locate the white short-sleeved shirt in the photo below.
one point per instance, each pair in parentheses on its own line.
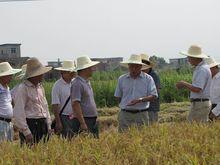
(129,89)
(201,79)
(215,93)
(60,93)
(6,109)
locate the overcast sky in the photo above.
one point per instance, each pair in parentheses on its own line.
(67,29)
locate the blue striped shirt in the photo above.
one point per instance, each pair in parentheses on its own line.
(129,89)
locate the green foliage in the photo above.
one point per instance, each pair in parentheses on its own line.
(104,84)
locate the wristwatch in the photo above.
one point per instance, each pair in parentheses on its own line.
(141,99)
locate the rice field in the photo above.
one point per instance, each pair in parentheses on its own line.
(170,143)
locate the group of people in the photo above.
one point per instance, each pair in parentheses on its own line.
(73,101)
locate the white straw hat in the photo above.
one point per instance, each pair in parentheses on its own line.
(35,68)
(146,57)
(195,51)
(85,62)
(134,59)
(23,70)
(6,69)
(211,62)
(67,65)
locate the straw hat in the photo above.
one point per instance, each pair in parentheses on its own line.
(134,59)
(67,65)
(23,70)
(6,69)
(146,58)
(195,51)
(35,68)
(85,62)
(211,62)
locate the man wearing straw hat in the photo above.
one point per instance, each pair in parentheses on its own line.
(31,112)
(134,91)
(83,103)
(6,110)
(61,99)
(154,105)
(200,87)
(214,89)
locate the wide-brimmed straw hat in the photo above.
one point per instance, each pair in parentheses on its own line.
(211,62)
(23,70)
(67,65)
(135,59)
(85,62)
(146,58)
(6,69)
(195,51)
(35,68)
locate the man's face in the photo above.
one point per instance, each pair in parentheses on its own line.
(214,70)
(90,70)
(68,75)
(193,61)
(6,79)
(134,69)
(38,79)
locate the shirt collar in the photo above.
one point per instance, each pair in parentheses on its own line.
(63,81)
(3,88)
(141,75)
(82,79)
(29,84)
(201,63)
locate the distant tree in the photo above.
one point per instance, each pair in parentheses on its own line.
(159,61)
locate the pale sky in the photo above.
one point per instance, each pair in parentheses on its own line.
(67,29)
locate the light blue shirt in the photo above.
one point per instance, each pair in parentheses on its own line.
(201,79)
(6,109)
(129,89)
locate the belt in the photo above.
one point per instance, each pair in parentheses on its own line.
(198,100)
(134,111)
(5,119)
(36,119)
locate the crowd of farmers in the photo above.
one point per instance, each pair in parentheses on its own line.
(25,106)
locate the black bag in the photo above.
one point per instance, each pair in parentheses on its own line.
(53,125)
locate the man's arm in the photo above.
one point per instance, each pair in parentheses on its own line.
(20,115)
(149,98)
(79,115)
(56,110)
(118,99)
(184,84)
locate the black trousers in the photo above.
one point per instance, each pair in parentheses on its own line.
(38,128)
(91,124)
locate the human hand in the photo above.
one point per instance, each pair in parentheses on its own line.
(180,84)
(29,138)
(58,127)
(133,102)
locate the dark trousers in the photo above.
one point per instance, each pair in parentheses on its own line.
(91,124)
(38,128)
(68,126)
